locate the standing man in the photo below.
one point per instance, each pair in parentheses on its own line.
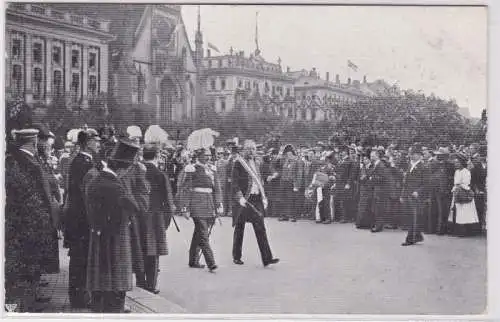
(76,233)
(157,219)
(109,272)
(291,177)
(413,195)
(249,204)
(324,195)
(200,192)
(380,181)
(344,185)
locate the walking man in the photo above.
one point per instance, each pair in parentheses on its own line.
(199,193)
(249,204)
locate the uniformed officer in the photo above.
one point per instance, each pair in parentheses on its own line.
(76,226)
(200,198)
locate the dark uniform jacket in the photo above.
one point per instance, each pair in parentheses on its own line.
(109,265)
(380,178)
(200,204)
(345,175)
(75,220)
(156,220)
(415,181)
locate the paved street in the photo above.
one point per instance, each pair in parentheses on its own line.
(329,269)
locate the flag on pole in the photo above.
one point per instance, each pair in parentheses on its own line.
(352,65)
(212,46)
(257,50)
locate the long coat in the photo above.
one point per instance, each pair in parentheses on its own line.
(156,220)
(200,204)
(28,224)
(134,181)
(109,265)
(76,226)
(345,176)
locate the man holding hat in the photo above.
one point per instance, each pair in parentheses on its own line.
(201,199)
(27,221)
(76,226)
(109,270)
(414,194)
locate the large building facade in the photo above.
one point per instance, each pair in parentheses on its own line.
(51,54)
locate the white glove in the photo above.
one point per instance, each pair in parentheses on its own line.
(295,189)
(265,203)
(243,202)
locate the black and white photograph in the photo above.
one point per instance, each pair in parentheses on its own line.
(245,159)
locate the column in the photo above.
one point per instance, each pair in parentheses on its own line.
(48,71)
(28,92)
(103,69)
(67,73)
(85,76)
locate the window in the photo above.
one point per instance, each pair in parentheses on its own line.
(247,85)
(213,86)
(141,86)
(17,79)
(57,88)
(287,92)
(240,83)
(290,112)
(223,83)
(56,55)
(273,90)
(266,87)
(16,49)
(37,83)
(304,114)
(223,104)
(220,62)
(255,85)
(92,60)
(75,62)
(92,89)
(37,53)
(75,86)
(210,63)
(313,114)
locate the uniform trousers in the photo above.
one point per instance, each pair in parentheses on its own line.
(78,274)
(201,240)
(326,206)
(108,301)
(288,201)
(441,203)
(248,214)
(415,207)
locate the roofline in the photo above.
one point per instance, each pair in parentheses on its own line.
(240,72)
(106,35)
(339,89)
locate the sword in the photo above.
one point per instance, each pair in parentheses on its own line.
(175,223)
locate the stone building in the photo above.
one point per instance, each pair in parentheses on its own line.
(52,53)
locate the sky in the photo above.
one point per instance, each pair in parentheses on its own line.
(440,50)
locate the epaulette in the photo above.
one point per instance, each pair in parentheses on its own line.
(189,168)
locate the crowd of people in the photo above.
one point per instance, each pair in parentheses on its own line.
(111,199)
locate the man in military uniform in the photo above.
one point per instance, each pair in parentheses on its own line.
(157,219)
(76,233)
(200,198)
(27,221)
(250,203)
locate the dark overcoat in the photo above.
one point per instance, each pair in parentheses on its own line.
(28,224)
(134,181)
(156,220)
(76,227)
(345,175)
(109,265)
(415,181)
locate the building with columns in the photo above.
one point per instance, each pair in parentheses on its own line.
(151,61)
(52,53)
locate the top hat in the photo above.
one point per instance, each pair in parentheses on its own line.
(125,151)
(288,148)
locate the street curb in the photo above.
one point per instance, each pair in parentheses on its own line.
(142,301)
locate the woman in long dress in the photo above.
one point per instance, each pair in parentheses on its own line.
(464,221)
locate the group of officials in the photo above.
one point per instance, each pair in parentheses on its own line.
(113,201)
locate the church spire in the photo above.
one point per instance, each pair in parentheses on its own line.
(199,20)
(199,40)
